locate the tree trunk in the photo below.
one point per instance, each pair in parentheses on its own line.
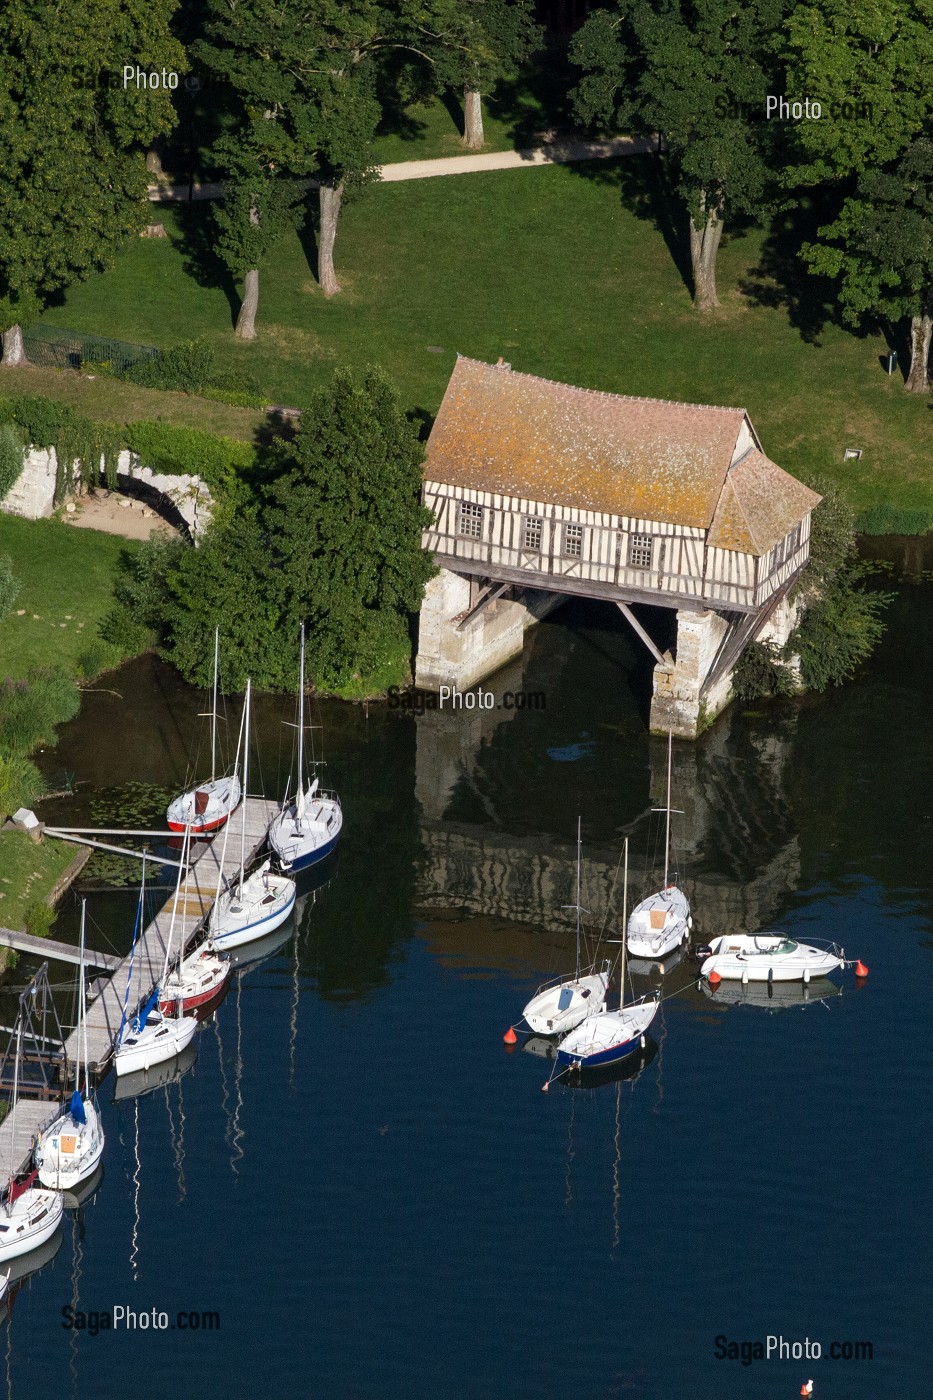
(704,246)
(14,352)
(330,197)
(473,137)
(921,328)
(246,320)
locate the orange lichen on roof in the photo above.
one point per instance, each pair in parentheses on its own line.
(498,430)
(515,434)
(759,505)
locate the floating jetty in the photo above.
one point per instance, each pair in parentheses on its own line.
(195,898)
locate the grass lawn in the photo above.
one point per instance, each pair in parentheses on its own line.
(66,586)
(28,872)
(564,271)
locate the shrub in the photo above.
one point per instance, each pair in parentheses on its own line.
(188,366)
(39,919)
(839,630)
(31,709)
(41,419)
(11,457)
(124,634)
(21,784)
(98,656)
(761,674)
(165,447)
(9,586)
(894,520)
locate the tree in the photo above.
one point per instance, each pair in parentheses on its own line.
(882,251)
(697,72)
(346,519)
(307,85)
(72,159)
(257,209)
(472,44)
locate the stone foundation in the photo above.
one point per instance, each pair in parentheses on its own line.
(496,635)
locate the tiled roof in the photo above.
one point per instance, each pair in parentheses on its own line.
(502,431)
(759,505)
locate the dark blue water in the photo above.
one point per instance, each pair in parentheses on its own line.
(376,1196)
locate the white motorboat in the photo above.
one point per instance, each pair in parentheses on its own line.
(205,808)
(151,1036)
(558,1006)
(307,830)
(29,1215)
(610,1036)
(254,904)
(768,957)
(69,1149)
(662,922)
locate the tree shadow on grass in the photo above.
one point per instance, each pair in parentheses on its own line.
(536,101)
(308,234)
(645,190)
(201,262)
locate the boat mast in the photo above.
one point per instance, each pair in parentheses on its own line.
(182,870)
(300,797)
(624,927)
(19,1051)
(579,858)
(667,821)
(82,1009)
(129,971)
(214,705)
(245,781)
(223,852)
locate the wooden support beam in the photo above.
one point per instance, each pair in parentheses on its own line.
(489,596)
(105,846)
(627,613)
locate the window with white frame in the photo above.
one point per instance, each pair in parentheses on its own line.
(470,520)
(531,532)
(640,551)
(573,541)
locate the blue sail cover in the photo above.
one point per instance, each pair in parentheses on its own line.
(76,1108)
(144,1013)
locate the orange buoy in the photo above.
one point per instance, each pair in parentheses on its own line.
(714,978)
(510,1037)
(806,1388)
(860,969)
(545,1087)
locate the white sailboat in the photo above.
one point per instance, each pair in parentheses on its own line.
(308,829)
(205,808)
(151,1036)
(612,1035)
(662,922)
(29,1215)
(255,904)
(69,1149)
(558,1006)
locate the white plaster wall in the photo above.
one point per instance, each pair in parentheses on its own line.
(33,494)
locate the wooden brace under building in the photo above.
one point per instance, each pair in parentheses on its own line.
(561,491)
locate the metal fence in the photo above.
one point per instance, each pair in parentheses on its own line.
(50,347)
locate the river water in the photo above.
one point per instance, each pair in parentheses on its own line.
(374,1193)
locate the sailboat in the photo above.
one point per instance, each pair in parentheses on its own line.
(558,1006)
(308,829)
(662,922)
(69,1149)
(29,1215)
(257,903)
(151,1036)
(610,1036)
(206,807)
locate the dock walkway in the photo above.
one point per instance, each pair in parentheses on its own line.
(56,952)
(31,1115)
(197,895)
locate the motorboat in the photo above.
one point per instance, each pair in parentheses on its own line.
(768,957)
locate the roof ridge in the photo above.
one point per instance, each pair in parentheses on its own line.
(604,393)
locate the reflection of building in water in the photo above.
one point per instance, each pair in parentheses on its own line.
(736,835)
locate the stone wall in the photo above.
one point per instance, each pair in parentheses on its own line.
(33,495)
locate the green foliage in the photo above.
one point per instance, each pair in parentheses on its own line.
(39,919)
(9,586)
(166,447)
(81,447)
(885,519)
(21,784)
(472,46)
(11,459)
(31,709)
(72,165)
(761,674)
(137,621)
(188,366)
(99,656)
(40,419)
(257,210)
(838,631)
(832,533)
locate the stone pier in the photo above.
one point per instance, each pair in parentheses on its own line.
(450,655)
